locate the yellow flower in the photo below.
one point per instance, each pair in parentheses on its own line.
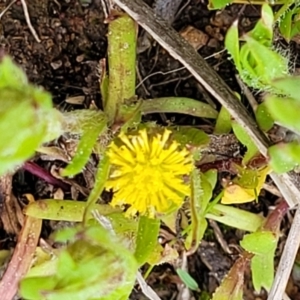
(148,172)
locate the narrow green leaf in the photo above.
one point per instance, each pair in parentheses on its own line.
(93,125)
(235,217)
(100,180)
(223,124)
(232,44)
(121,61)
(64,210)
(187,279)
(146,239)
(179,105)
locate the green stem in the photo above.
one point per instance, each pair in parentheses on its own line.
(121,61)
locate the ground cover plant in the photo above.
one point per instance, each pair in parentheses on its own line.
(148,175)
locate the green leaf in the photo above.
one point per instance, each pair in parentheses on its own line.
(264,62)
(285,25)
(232,44)
(247,178)
(218,4)
(100,180)
(197,231)
(262,267)
(30,287)
(223,124)
(146,239)
(284,157)
(64,210)
(244,138)
(288,86)
(188,280)
(235,217)
(27,118)
(77,275)
(263,117)
(11,75)
(285,111)
(179,105)
(260,243)
(190,136)
(263,30)
(121,61)
(93,123)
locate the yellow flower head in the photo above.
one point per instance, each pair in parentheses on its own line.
(147,172)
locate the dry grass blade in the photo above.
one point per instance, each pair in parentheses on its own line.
(287,260)
(21,259)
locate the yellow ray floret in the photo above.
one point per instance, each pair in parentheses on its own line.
(147,172)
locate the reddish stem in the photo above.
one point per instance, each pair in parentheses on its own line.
(41,173)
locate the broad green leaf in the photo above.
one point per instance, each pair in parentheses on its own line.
(93,124)
(31,286)
(284,157)
(232,44)
(285,111)
(179,105)
(78,277)
(27,118)
(232,285)
(223,124)
(246,178)
(146,239)
(188,280)
(261,242)
(263,117)
(192,138)
(262,268)
(11,76)
(289,86)
(211,176)
(265,63)
(244,138)
(235,217)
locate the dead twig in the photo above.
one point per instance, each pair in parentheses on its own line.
(146,289)
(287,260)
(27,18)
(7,8)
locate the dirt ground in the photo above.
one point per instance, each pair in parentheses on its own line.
(66,63)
